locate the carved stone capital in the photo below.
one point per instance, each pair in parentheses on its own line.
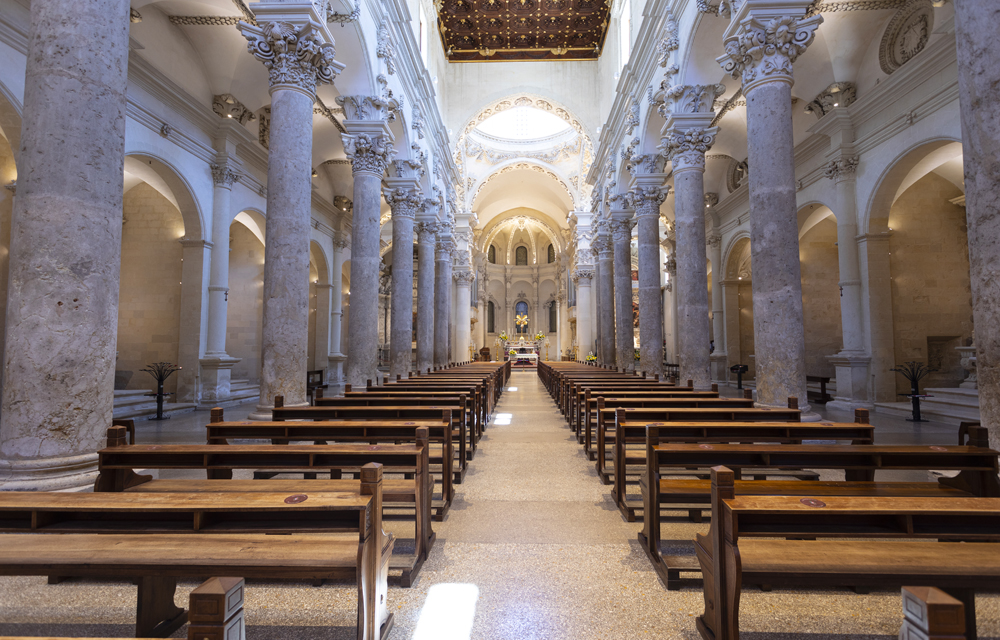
(343,203)
(763,50)
(647,200)
(403,202)
(621,230)
(426,232)
(686,147)
(671,265)
(645,165)
(714,240)
(445,246)
(583,274)
(223,176)
(842,168)
(368,153)
(227,106)
(690,98)
(368,108)
(295,56)
(463,277)
(838,94)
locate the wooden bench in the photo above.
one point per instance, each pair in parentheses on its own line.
(117,462)
(315,384)
(977,477)
(584,398)
(475,415)
(388,413)
(948,543)
(821,396)
(483,393)
(931,614)
(641,436)
(151,537)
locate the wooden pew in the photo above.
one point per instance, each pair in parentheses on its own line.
(905,540)
(931,614)
(977,477)
(735,411)
(117,461)
(583,398)
(389,413)
(481,391)
(475,417)
(643,436)
(159,538)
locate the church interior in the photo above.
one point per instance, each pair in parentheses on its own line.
(500,319)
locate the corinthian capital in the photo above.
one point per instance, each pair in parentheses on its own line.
(842,168)
(647,200)
(403,202)
(686,147)
(763,50)
(368,108)
(586,275)
(445,246)
(223,175)
(298,57)
(691,98)
(463,277)
(621,230)
(368,152)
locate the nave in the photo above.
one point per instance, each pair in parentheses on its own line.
(533,547)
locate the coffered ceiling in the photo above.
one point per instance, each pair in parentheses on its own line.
(503,30)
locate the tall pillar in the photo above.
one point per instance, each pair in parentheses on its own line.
(404,203)
(646,198)
(217,365)
(978,53)
(321,350)
(670,315)
(65,248)
(463,312)
(337,356)
(687,137)
(621,232)
(442,297)
(606,286)
(296,47)
(565,342)
(368,144)
(719,358)
(582,276)
(766,73)
(426,242)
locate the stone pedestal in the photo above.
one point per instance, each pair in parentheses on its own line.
(404,200)
(766,73)
(368,144)
(306,49)
(216,374)
(853,381)
(621,233)
(426,243)
(442,298)
(65,248)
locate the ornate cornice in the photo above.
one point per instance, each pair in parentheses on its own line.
(763,51)
(368,153)
(295,56)
(686,147)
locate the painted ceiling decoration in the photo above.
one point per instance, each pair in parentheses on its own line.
(504,30)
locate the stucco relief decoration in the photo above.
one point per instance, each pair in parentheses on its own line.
(645,165)
(384,48)
(227,106)
(293,57)
(838,94)
(669,43)
(368,108)
(737,174)
(531,167)
(842,168)
(764,51)
(907,35)
(264,127)
(369,153)
(632,121)
(686,148)
(417,116)
(696,98)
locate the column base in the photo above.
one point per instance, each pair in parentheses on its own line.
(719,365)
(216,374)
(853,381)
(64,473)
(335,373)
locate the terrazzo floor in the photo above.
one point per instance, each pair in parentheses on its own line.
(532,548)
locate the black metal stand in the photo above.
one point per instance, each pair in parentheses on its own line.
(915,399)
(914,372)
(160,371)
(739,370)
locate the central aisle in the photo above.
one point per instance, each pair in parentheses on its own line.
(540,538)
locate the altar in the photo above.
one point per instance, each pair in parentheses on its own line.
(524,351)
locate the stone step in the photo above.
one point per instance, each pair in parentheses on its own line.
(149,409)
(950,406)
(240,391)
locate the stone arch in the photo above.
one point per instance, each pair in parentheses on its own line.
(527,99)
(530,164)
(153,168)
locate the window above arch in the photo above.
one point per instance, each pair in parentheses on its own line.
(551,254)
(523,123)
(521,256)
(491,254)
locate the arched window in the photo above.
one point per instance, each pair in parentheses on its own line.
(491,316)
(553,317)
(552,254)
(521,308)
(521,256)
(491,254)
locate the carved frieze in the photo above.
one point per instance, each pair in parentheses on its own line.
(907,35)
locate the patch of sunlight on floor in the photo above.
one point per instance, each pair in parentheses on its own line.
(448,612)
(511,388)
(503,418)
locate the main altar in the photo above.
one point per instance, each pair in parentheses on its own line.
(526,350)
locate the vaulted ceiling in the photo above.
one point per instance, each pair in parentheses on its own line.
(503,30)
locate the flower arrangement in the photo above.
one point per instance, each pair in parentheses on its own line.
(512,352)
(591,357)
(503,336)
(539,336)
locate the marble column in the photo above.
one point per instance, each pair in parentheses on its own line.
(442,297)
(719,358)
(65,248)
(217,365)
(463,312)
(426,242)
(687,139)
(766,74)
(368,145)
(606,286)
(670,301)
(565,342)
(337,356)
(296,47)
(404,203)
(621,232)
(978,54)
(646,200)
(582,276)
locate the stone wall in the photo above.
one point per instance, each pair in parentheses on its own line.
(821,296)
(931,294)
(8,172)
(746,328)
(150,289)
(246,303)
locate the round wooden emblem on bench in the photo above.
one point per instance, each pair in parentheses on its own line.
(297,498)
(409,424)
(813,502)
(936,448)
(705,446)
